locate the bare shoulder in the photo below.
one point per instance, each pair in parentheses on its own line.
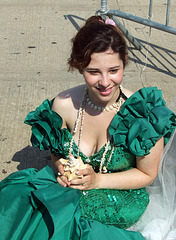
(67,97)
(67,102)
(127,92)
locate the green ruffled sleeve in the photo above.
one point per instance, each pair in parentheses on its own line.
(142,120)
(46,128)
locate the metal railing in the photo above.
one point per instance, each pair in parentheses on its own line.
(148,22)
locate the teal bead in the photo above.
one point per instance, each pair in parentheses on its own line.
(121,208)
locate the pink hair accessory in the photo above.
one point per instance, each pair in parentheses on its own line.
(101,21)
(110,21)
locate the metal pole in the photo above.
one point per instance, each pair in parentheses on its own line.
(127,33)
(142,21)
(150,9)
(103,6)
(112,13)
(168,12)
(104,9)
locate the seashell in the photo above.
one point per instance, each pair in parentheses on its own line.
(71,166)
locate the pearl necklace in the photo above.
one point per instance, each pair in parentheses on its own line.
(80,117)
(115,105)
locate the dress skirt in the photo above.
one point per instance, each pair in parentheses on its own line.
(34,206)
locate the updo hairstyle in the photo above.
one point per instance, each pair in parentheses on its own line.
(95,37)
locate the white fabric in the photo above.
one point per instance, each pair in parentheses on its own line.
(159,220)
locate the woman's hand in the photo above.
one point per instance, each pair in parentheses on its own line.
(88,181)
(62,180)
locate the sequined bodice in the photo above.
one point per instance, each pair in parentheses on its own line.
(121,160)
(110,206)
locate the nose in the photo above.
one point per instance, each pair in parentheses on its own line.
(105,80)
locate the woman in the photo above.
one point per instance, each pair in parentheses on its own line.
(119,136)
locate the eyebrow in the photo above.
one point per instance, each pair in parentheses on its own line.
(90,69)
(115,67)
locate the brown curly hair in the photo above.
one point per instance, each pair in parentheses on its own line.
(95,37)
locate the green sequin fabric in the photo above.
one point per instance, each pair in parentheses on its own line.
(121,208)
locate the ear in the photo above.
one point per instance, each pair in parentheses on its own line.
(80,71)
(126,57)
(126,60)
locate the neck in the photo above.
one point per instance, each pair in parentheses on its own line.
(113,104)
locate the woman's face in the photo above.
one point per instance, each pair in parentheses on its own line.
(103,77)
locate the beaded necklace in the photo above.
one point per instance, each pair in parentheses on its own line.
(80,118)
(115,105)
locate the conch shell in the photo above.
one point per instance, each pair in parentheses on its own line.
(71,166)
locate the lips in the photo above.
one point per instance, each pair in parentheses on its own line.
(105,92)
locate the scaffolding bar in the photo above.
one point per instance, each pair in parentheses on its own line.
(104,6)
(143,21)
(150,9)
(168,12)
(127,34)
(148,22)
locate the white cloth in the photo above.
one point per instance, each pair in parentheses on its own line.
(159,220)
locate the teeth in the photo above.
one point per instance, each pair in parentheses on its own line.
(104,90)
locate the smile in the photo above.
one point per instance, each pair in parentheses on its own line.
(105,92)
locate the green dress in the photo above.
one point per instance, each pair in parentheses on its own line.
(34,206)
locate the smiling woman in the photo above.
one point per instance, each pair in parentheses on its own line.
(103,77)
(106,143)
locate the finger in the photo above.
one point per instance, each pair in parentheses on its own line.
(63,184)
(65,180)
(80,181)
(85,171)
(61,168)
(62,180)
(76,182)
(80,187)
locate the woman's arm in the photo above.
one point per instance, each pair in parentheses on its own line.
(59,105)
(143,175)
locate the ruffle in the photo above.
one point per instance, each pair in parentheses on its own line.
(142,120)
(46,128)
